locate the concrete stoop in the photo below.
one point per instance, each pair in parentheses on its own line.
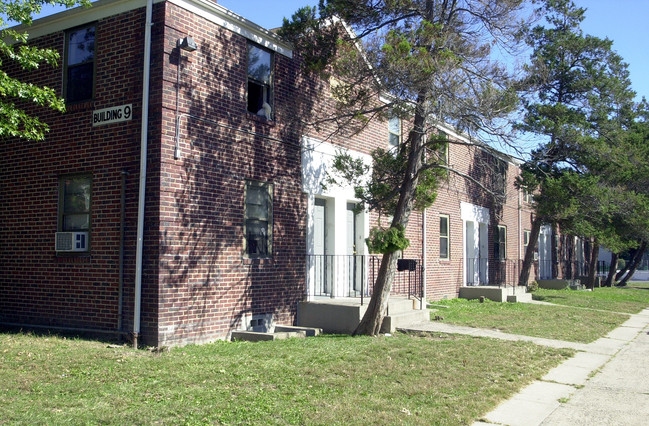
(520,297)
(342,316)
(497,294)
(280,332)
(401,313)
(395,321)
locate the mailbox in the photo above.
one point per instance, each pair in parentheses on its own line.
(406,264)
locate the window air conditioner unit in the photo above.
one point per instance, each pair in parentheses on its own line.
(536,255)
(71,241)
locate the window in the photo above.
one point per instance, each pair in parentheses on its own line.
(394,131)
(444,235)
(80,64)
(74,203)
(527,196)
(260,77)
(258,219)
(443,151)
(499,176)
(526,239)
(500,243)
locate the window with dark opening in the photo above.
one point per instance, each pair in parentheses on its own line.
(80,64)
(258,219)
(260,77)
(500,243)
(74,204)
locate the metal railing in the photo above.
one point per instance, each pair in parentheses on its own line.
(334,276)
(492,272)
(337,275)
(476,270)
(573,270)
(544,269)
(603,267)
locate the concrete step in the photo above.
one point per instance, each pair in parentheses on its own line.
(520,297)
(310,331)
(256,336)
(401,305)
(394,321)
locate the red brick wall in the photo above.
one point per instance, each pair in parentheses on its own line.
(206,283)
(38,286)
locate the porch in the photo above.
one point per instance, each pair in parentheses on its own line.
(353,276)
(494,279)
(339,288)
(342,316)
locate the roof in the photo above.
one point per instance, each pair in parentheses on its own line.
(207,9)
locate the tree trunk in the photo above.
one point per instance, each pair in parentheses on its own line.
(373,317)
(624,270)
(592,265)
(635,261)
(611,269)
(529,253)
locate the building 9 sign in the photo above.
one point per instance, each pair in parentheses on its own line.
(112,115)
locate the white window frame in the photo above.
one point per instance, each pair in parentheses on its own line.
(502,244)
(249,219)
(447,237)
(394,133)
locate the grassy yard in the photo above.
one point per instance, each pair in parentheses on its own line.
(426,379)
(553,322)
(632,299)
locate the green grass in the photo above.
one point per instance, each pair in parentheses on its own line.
(426,379)
(552,322)
(630,299)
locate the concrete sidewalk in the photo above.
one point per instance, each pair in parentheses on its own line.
(605,383)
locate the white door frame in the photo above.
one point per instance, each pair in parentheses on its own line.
(479,217)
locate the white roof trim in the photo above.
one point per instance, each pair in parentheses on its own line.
(207,9)
(225,18)
(79,16)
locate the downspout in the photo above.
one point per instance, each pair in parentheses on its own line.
(520,234)
(122,214)
(422,303)
(143,159)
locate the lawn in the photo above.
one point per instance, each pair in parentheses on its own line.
(631,299)
(423,379)
(553,322)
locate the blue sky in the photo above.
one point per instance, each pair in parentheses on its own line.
(626,22)
(623,21)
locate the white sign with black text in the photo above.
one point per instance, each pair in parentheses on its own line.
(112,115)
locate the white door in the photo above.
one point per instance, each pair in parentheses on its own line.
(319,249)
(483,253)
(472,255)
(352,265)
(545,253)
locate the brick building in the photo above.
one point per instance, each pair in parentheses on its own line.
(224,223)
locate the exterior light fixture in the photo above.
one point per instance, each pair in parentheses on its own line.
(187,44)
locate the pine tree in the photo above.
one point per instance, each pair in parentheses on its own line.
(572,82)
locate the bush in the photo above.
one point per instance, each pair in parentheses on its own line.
(533,286)
(621,263)
(388,240)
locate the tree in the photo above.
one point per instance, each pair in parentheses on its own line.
(569,75)
(626,169)
(14,120)
(431,60)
